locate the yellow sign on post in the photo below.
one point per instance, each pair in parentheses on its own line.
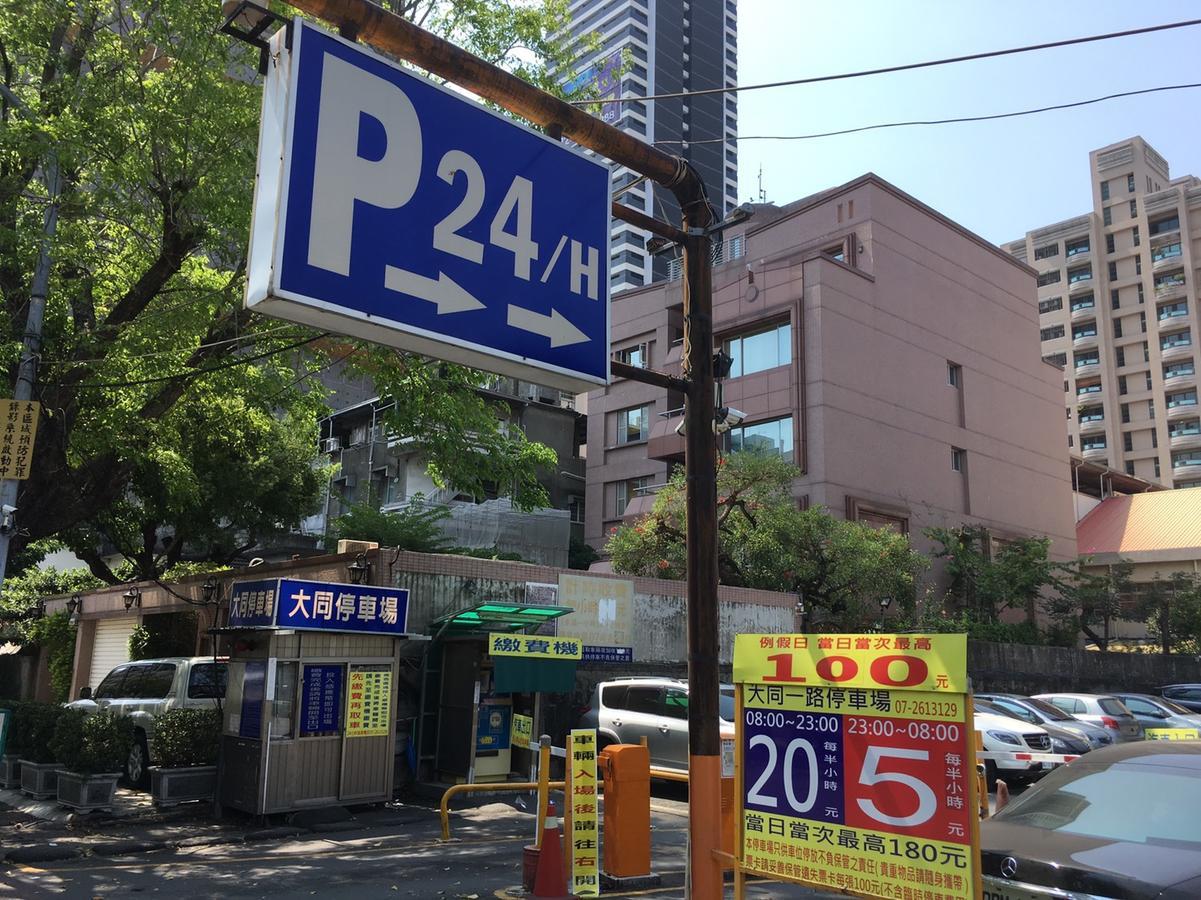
(856,764)
(583,840)
(368,701)
(18,428)
(535,646)
(1173,734)
(521,731)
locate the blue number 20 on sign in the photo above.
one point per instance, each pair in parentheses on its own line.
(393,209)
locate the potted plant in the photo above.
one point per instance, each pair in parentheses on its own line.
(185,746)
(10,761)
(92,750)
(35,724)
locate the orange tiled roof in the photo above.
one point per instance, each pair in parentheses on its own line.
(1134,523)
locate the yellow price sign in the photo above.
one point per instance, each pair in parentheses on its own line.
(522,731)
(1172,734)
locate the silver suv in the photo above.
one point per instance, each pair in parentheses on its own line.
(626,710)
(144,689)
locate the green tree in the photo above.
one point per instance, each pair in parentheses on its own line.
(842,569)
(988,576)
(1171,608)
(416,527)
(166,405)
(1089,601)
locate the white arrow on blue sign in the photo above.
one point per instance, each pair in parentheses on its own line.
(393,209)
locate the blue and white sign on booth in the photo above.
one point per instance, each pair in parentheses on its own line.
(319,606)
(393,209)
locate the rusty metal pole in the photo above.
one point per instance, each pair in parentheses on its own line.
(394,35)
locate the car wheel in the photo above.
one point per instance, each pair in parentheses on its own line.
(137,763)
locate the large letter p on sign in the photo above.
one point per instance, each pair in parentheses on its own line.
(340,175)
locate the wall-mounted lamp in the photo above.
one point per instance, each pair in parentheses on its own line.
(359,570)
(210,589)
(132,597)
(885,602)
(74,607)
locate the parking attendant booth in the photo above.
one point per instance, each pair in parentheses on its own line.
(308,718)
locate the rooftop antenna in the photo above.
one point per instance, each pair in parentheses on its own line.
(762,193)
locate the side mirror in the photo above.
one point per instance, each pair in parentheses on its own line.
(85,693)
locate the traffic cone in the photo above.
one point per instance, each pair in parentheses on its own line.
(550,879)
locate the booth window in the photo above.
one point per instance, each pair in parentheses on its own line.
(284,702)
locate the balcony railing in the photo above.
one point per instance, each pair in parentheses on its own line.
(722,252)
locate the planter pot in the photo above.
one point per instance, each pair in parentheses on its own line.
(87,793)
(39,780)
(10,771)
(171,786)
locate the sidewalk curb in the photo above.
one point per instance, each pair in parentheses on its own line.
(126,848)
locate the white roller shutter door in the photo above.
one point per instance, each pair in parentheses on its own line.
(110,648)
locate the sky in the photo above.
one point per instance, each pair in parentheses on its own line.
(999,179)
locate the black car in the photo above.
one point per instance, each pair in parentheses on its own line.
(1186,695)
(1119,822)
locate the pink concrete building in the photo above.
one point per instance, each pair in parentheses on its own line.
(887,351)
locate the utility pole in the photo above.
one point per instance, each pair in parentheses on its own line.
(400,38)
(27,368)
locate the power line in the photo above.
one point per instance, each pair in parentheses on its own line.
(1006,115)
(905,67)
(250,335)
(196,373)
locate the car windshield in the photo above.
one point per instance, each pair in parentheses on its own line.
(1175,708)
(725,706)
(1094,801)
(1052,712)
(1113,706)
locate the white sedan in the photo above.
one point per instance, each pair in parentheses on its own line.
(1010,737)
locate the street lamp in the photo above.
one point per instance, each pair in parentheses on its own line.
(209,589)
(132,597)
(359,570)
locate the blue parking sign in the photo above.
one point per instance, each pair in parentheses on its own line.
(393,209)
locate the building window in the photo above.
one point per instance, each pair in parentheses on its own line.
(634,356)
(1104,190)
(1180,429)
(633,424)
(1173,310)
(1080,273)
(1178,339)
(1146,352)
(772,438)
(1122,385)
(958,458)
(1088,329)
(1125,413)
(575,507)
(1178,370)
(1187,458)
(1115,299)
(1127,441)
(1048,278)
(625,491)
(760,350)
(1129,468)
(1157,467)
(954,374)
(1045,252)
(1107,215)
(1117,328)
(1109,243)
(1169,281)
(1092,414)
(1130,184)
(1138,265)
(888,518)
(1085,302)
(1050,334)
(1057,359)
(1050,305)
(1137,239)
(1165,251)
(1163,226)
(1120,356)
(1182,398)
(1092,442)
(1113,271)
(1133,208)
(1087,359)
(1076,247)
(1154,433)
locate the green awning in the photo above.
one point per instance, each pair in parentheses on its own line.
(524,675)
(495,616)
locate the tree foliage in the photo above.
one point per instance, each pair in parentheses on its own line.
(415,527)
(167,407)
(841,569)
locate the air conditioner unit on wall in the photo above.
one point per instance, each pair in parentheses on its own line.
(331,445)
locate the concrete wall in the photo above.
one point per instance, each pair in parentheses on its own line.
(1034,670)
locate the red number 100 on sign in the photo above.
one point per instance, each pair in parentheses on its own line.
(842,669)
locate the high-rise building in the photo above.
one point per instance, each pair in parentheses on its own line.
(880,347)
(648,47)
(1117,303)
